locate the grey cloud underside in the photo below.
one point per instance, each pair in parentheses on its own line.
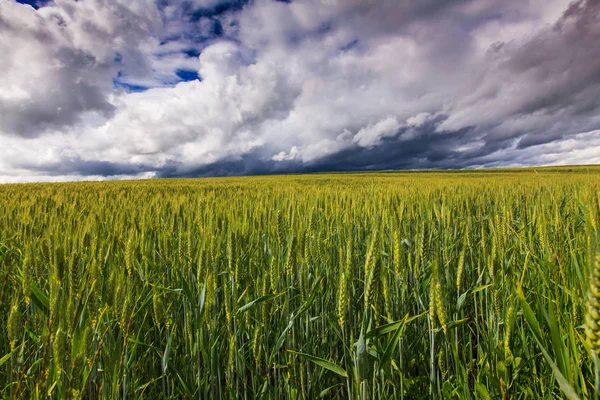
(79,167)
(427,151)
(390,155)
(54,106)
(60,60)
(553,76)
(562,64)
(51,110)
(302,86)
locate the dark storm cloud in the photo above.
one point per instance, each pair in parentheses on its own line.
(563,62)
(426,150)
(551,79)
(78,167)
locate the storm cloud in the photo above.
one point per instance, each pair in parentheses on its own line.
(106,89)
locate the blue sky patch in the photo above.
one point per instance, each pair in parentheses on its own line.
(187,75)
(34,3)
(221,8)
(191,52)
(130,88)
(217,28)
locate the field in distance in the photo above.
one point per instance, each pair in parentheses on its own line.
(469,284)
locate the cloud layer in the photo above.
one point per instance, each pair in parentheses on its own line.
(139,88)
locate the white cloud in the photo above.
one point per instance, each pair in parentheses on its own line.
(419,119)
(371,135)
(283,156)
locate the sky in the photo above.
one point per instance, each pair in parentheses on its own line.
(122,89)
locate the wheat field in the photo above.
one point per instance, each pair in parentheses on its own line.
(447,285)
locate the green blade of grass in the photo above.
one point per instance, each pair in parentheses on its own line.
(564,385)
(393,343)
(322,363)
(259,300)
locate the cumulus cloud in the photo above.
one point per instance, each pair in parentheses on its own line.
(372,134)
(210,87)
(58,61)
